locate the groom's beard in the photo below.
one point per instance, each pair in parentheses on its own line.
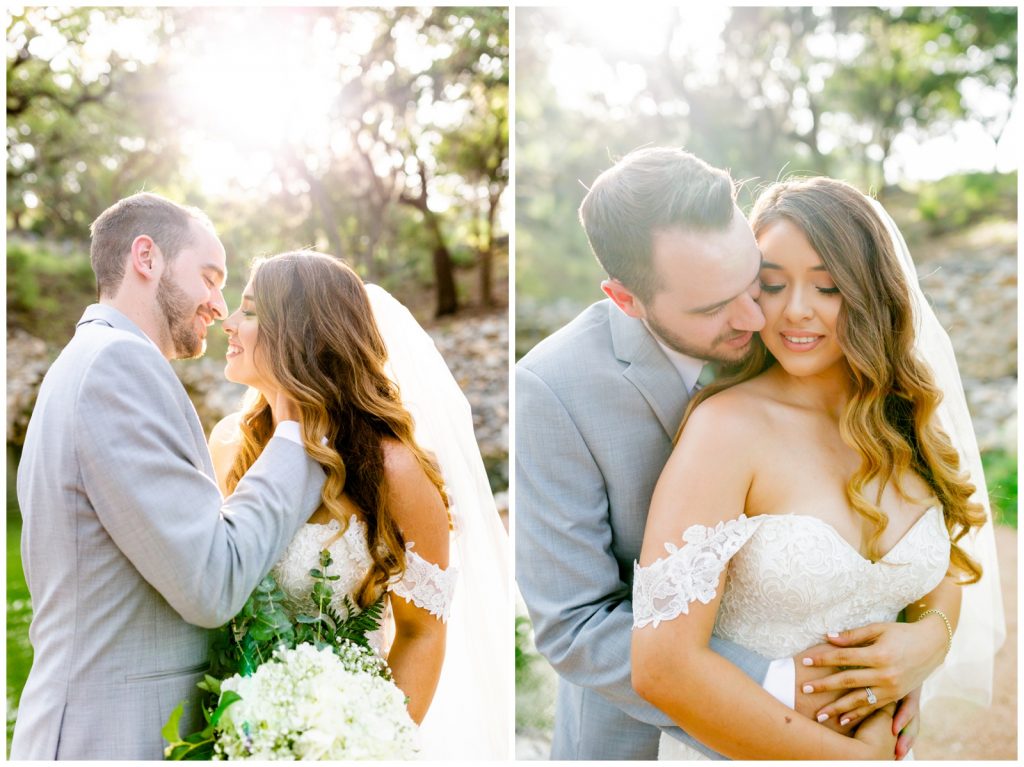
(716,351)
(181,316)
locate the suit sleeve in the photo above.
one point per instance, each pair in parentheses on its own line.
(204,554)
(580,607)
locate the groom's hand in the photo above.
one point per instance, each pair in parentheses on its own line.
(876,735)
(906,724)
(809,704)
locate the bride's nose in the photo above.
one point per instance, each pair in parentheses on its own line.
(229,324)
(798,307)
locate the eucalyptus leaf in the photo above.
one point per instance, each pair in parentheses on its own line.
(170,729)
(202,753)
(227,699)
(210,684)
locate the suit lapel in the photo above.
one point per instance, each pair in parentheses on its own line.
(648,369)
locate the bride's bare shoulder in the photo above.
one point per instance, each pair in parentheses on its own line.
(225,438)
(738,409)
(226,430)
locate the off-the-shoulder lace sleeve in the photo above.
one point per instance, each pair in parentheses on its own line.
(425,584)
(665,589)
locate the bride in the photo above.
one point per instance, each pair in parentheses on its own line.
(403,471)
(843,502)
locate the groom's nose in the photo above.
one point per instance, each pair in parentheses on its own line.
(218,305)
(747,315)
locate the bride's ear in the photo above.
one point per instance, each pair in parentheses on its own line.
(624,298)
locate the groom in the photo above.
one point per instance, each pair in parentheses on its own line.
(130,553)
(598,404)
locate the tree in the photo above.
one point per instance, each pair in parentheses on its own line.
(76,134)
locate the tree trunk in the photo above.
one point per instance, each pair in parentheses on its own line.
(444,269)
(487,255)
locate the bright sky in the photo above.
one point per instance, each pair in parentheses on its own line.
(254,82)
(579,71)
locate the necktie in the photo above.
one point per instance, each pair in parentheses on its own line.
(707,375)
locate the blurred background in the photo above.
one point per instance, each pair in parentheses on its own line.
(915,105)
(379,135)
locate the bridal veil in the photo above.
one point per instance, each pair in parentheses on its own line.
(968,668)
(469,716)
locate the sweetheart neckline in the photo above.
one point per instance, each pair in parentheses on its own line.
(336,523)
(849,545)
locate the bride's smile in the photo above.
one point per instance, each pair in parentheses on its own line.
(242,328)
(800,302)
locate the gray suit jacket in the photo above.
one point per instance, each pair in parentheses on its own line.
(129,551)
(597,405)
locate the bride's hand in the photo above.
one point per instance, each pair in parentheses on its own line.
(891,659)
(876,734)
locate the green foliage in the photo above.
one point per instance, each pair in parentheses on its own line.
(328,628)
(19,614)
(197,746)
(823,90)
(1001,478)
(535,683)
(496,467)
(525,655)
(91,120)
(262,626)
(954,202)
(48,286)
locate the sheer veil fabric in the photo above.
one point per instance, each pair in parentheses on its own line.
(968,669)
(470,715)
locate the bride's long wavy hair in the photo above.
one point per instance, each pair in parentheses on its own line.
(890,419)
(318,336)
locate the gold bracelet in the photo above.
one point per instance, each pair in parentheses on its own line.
(949,626)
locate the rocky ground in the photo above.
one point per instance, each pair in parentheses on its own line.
(971,280)
(970,733)
(476,350)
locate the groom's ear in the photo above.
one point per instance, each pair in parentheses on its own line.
(145,258)
(624,298)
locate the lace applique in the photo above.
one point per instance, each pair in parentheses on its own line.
(666,588)
(425,584)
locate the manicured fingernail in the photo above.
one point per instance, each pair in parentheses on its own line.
(833,635)
(808,688)
(845,721)
(822,717)
(807,662)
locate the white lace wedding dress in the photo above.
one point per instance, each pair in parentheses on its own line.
(423,583)
(791,579)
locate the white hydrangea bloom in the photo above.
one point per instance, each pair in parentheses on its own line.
(311,704)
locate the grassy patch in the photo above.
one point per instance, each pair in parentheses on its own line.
(535,684)
(1001,478)
(19,615)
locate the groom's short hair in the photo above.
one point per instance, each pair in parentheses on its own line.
(115,229)
(647,191)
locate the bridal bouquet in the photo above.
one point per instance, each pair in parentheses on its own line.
(308,688)
(310,703)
